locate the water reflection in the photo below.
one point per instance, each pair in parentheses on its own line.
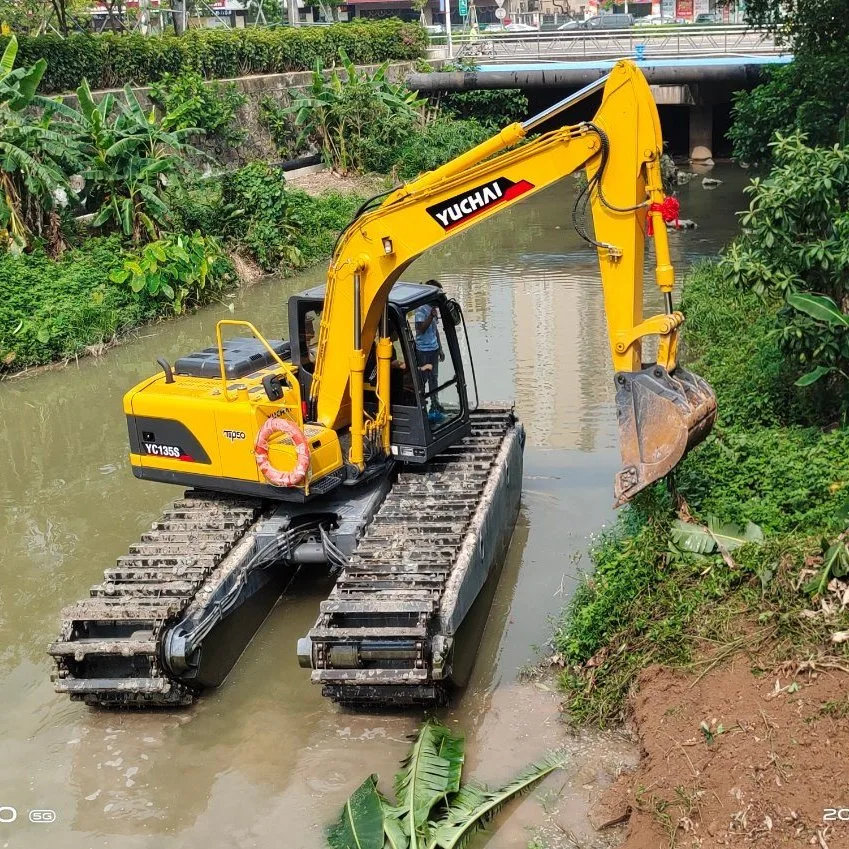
(264,760)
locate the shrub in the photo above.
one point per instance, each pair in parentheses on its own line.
(280,123)
(355,118)
(55,308)
(496,108)
(796,239)
(440,141)
(319,220)
(195,203)
(191,103)
(176,272)
(810,95)
(493,107)
(259,215)
(109,61)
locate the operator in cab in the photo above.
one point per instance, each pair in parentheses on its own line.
(429,353)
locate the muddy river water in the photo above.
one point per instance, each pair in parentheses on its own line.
(264,761)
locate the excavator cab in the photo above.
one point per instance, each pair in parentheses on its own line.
(429,404)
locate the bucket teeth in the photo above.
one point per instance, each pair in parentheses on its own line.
(661,416)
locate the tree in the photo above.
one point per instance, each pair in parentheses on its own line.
(811,94)
(808,26)
(30,16)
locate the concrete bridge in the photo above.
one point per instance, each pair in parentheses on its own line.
(693,94)
(649,42)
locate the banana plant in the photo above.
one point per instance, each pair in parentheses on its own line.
(18,85)
(823,309)
(128,157)
(342,116)
(715,536)
(32,153)
(433,810)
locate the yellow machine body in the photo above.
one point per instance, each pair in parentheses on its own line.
(201,431)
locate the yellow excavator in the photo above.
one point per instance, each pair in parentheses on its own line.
(355,445)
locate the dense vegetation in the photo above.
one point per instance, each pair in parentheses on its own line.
(148,247)
(811,94)
(771,479)
(363,122)
(110,61)
(163,235)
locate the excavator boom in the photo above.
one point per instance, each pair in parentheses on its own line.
(662,409)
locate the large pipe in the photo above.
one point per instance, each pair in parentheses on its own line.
(734,76)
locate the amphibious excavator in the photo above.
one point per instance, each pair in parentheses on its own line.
(354,445)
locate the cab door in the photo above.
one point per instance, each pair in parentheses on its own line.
(431,411)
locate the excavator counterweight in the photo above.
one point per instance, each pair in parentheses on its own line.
(354,446)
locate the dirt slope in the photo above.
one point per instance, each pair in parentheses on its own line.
(732,759)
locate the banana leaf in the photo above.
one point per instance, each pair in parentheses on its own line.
(819,307)
(430,772)
(360,825)
(701,539)
(475,805)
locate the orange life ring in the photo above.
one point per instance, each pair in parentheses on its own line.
(275,476)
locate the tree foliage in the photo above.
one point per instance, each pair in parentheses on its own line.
(795,239)
(808,26)
(811,94)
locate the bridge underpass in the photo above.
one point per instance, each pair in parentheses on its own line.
(693,94)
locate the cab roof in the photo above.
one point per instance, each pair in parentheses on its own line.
(403,295)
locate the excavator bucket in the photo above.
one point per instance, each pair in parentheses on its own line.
(661,415)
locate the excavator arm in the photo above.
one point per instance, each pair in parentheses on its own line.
(663,410)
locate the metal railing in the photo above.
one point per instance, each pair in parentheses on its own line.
(666,42)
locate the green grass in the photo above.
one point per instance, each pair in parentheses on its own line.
(646,602)
(52,309)
(57,309)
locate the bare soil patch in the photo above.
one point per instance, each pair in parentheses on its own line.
(732,758)
(317,182)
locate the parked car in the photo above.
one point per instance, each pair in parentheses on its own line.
(651,21)
(707,18)
(520,27)
(598,22)
(569,25)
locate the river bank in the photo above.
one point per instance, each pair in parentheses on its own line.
(715,620)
